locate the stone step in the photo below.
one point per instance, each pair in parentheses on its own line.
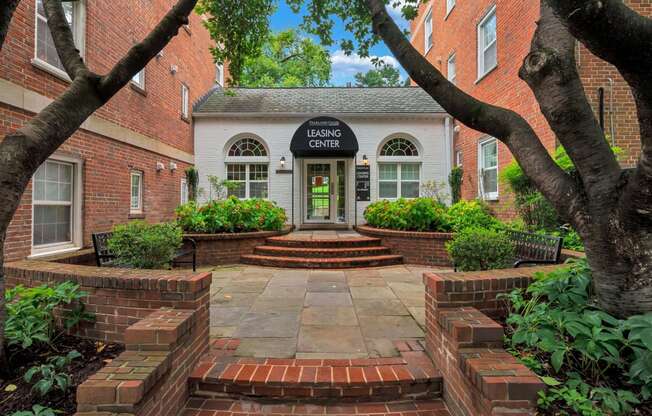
(197,406)
(322,252)
(282,241)
(321,263)
(316,380)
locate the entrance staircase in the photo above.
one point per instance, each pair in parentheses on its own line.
(286,251)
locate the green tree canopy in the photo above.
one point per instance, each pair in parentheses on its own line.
(384,76)
(288,59)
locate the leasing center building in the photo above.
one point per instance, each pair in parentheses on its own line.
(323,154)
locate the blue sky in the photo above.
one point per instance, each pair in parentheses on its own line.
(344,67)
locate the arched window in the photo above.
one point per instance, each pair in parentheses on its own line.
(399,147)
(247,148)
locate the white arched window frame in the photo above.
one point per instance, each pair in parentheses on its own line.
(247,166)
(399,167)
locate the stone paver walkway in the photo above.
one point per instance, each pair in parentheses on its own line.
(283,313)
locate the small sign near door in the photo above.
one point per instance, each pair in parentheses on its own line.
(362,183)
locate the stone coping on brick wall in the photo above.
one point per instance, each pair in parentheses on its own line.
(238,236)
(110,277)
(385,232)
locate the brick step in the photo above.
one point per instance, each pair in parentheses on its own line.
(321,263)
(322,252)
(197,406)
(339,243)
(315,380)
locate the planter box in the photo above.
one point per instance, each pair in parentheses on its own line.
(424,248)
(227,248)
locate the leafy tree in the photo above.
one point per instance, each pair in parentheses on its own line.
(288,60)
(385,76)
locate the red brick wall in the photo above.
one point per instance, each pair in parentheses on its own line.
(516,24)
(112,28)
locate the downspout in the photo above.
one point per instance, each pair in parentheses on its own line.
(612,128)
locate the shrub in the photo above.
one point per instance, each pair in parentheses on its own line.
(594,363)
(435,191)
(465,214)
(419,214)
(480,249)
(455,181)
(145,246)
(231,216)
(30,312)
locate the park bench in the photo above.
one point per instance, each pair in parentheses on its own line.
(531,248)
(104,257)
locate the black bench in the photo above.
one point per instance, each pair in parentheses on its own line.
(531,248)
(104,256)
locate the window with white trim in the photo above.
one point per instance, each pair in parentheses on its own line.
(139,79)
(251,180)
(399,147)
(399,180)
(53,204)
(428,32)
(136,192)
(450,5)
(185,105)
(219,74)
(451,71)
(184,191)
(458,158)
(44,50)
(488,164)
(247,147)
(487,44)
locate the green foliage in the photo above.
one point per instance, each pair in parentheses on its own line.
(419,214)
(455,181)
(384,76)
(288,59)
(141,245)
(219,188)
(30,312)
(231,216)
(465,214)
(192,179)
(50,376)
(595,364)
(38,410)
(238,28)
(476,248)
(435,190)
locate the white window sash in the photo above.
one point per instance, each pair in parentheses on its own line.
(428,32)
(184,100)
(450,5)
(483,169)
(482,48)
(247,180)
(139,208)
(399,181)
(451,69)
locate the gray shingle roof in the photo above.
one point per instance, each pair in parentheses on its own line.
(317,100)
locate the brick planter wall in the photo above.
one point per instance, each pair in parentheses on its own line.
(480,378)
(415,247)
(227,248)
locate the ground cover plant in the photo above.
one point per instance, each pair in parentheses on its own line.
(45,365)
(141,245)
(231,216)
(593,363)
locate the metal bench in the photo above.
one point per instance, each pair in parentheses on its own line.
(104,257)
(531,248)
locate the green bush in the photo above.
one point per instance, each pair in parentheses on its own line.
(231,216)
(455,181)
(30,312)
(480,249)
(465,214)
(594,363)
(145,246)
(419,214)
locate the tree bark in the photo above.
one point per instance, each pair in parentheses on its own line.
(6,13)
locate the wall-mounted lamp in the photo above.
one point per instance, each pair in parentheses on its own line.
(174,69)
(159,55)
(365,161)
(159,166)
(457,129)
(173,166)
(282,162)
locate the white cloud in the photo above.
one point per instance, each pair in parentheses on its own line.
(354,63)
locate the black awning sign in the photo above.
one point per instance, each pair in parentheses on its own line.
(324,137)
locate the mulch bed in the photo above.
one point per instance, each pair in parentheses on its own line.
(94,356)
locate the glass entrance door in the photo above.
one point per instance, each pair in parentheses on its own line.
(319,192)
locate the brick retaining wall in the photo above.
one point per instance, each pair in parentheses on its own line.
(480,378)
(416,247)
(227,248)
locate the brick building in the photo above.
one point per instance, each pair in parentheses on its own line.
(128,159)
(480,45)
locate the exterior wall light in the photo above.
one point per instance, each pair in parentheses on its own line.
(365,160)
(282,162)
(173,166)
(159,166)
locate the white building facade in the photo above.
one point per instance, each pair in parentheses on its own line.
(300,148)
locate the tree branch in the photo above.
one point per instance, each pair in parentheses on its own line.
(63,39)
(6,14)
(503,124)
(551,72)
(140,54)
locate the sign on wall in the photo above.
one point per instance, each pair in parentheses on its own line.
(324,137)
(362,183)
